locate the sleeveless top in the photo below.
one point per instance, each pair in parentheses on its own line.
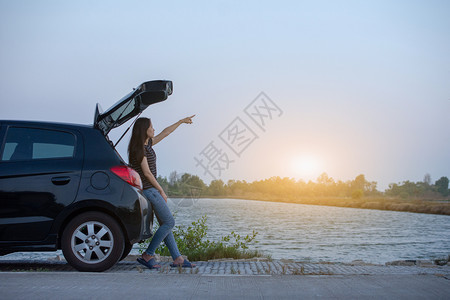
(151,160)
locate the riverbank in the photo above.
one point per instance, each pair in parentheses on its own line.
(379,203)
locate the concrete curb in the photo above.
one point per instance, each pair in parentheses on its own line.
(241,267)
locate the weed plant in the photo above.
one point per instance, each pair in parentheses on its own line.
(192,242)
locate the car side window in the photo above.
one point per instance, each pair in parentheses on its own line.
(32,143)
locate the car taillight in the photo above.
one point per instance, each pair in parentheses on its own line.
(129,175)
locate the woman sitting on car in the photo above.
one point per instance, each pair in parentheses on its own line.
(142,158)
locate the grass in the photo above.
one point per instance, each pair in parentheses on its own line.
(416,206)
(221,251)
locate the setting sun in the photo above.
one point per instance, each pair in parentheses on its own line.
(306,167)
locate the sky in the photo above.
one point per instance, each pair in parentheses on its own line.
(279,88)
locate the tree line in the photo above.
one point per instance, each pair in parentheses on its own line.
(188,185)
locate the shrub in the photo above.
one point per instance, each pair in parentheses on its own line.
(192,242)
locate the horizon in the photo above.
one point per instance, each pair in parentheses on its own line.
(314,181)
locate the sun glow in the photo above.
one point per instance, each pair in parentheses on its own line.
(306,167)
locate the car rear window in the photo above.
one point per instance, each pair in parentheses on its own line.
(32,143)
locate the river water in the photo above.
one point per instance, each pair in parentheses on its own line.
(315,233)
(323,233)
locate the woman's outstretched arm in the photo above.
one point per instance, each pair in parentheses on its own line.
(158,138)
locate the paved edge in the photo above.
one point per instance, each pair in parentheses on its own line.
(240,267)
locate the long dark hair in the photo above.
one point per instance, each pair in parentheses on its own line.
(138,137)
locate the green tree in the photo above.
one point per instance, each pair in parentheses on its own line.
(163,183)
(192,180)
(216,188)
(325,180)
(442,186)
(191,185)
(237,187)
(409,189)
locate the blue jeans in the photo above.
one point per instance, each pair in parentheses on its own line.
(166,223)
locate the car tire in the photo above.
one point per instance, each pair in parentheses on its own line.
(92,242)
(126,250)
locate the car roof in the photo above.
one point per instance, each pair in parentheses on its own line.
(45,123)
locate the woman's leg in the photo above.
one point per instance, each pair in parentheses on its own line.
(172,245)
(166,223)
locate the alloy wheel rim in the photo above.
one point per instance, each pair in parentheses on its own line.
(92,242)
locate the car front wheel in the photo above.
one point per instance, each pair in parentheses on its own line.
(92,242)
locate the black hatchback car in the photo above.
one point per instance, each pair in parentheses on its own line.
(64,186)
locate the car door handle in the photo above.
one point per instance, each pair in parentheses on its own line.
(60,180)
